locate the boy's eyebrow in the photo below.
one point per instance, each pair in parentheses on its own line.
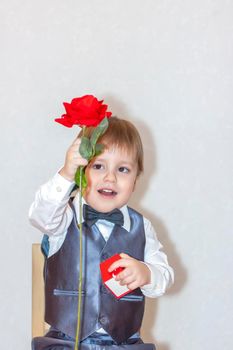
(127,163)
(120,162)
(97,159)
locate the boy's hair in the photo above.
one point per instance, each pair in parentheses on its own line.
(122,134)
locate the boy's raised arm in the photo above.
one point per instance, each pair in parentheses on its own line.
(50,212)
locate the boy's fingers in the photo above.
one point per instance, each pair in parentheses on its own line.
(123,275)
(119,263)
(77,141)
(126,281)
(80,161)
(130,281)
(123,255)
(74,147)
(133,285)
(123,262)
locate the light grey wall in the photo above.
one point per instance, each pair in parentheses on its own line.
(166,65)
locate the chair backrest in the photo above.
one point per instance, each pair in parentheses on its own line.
(39,326)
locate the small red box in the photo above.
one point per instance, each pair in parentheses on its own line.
(109,277)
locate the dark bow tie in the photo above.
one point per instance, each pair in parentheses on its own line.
(91,216)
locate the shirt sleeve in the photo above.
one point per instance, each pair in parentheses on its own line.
(50,212)
(162,275)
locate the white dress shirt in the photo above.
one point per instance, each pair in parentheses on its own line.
(52,215)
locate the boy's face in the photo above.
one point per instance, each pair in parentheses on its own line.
(111,179)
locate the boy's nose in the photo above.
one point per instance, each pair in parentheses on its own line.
(110,176)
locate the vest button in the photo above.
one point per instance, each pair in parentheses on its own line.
(105,256)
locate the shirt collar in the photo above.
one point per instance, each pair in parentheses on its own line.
(123,209)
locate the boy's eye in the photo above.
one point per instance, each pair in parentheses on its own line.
(97,166)
(123,169)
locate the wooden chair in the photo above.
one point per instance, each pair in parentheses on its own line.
(39,326)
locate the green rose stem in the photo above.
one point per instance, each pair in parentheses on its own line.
(80,263)
(77,338)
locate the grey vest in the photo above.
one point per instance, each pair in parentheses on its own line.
(120,318)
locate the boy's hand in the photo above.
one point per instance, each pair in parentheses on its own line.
(72,161)
(135,274)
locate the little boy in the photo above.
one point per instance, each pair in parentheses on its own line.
(107,323)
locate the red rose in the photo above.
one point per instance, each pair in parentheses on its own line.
(84,111)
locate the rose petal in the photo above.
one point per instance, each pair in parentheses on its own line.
(68,107)
(64,121)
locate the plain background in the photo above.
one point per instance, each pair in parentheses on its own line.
(167,66)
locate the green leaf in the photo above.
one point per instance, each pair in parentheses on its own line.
(98,131)
(83,178)
(85,148)
(98,149)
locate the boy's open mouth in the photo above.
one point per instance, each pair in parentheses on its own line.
(107,192)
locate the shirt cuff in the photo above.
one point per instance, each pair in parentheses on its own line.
(59,188)
(155,288)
